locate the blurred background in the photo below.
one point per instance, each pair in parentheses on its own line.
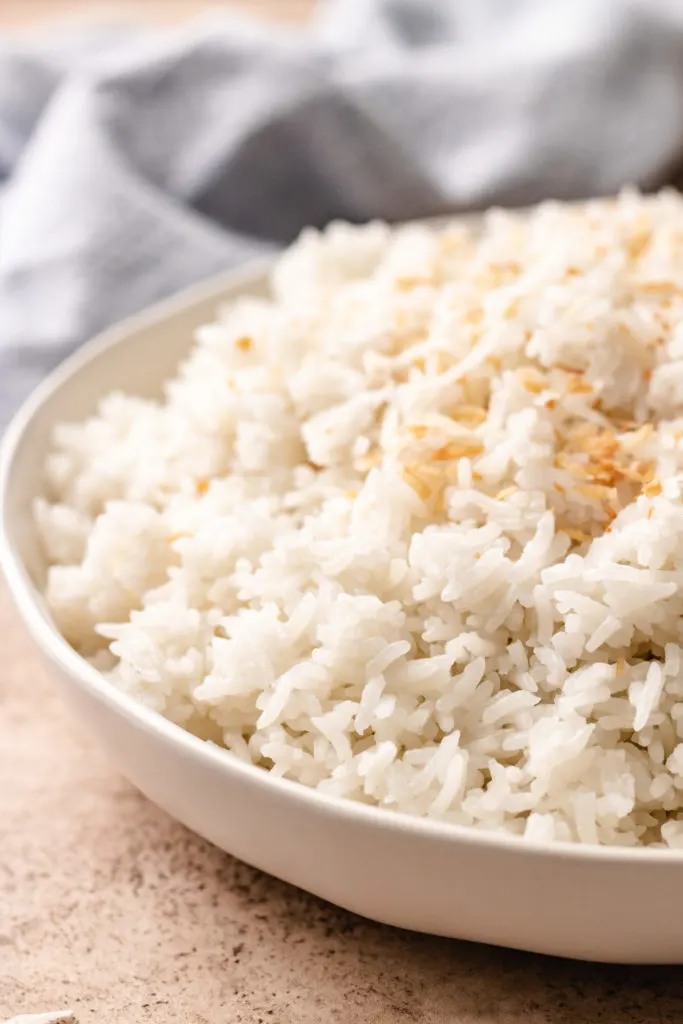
(145,144)
(25,12)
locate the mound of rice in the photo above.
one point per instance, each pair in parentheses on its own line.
(412,532)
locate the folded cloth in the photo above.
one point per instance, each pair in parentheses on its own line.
(135,162)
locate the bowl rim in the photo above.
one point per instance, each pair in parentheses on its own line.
(57,650)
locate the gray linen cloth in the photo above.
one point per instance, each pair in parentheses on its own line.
(134,162)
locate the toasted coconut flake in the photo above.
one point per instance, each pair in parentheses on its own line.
(637,437)
(570,369)
(595,492)
(646,471)
(422,489)
(470,414)
(563,460)
(445,362)
(638,472)
(458,450)
(431,472)
(637,245)
(532,380)
(578,386)
(405,284)
(580,536)
(367,462)
(579,435)
(654,287)
(625,425)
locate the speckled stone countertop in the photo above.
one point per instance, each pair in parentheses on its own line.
(110,908)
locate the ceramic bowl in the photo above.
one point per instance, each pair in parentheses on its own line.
(577,901)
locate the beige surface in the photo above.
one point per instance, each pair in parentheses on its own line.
(108,906)
(27,12)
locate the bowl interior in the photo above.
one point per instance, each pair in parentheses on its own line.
(136,356)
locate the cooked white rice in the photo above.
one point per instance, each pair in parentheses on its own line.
(412,531)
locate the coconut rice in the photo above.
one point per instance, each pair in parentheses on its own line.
(411,532)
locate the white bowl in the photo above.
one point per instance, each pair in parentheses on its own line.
(578,901)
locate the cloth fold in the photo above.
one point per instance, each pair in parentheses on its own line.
(134,162)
